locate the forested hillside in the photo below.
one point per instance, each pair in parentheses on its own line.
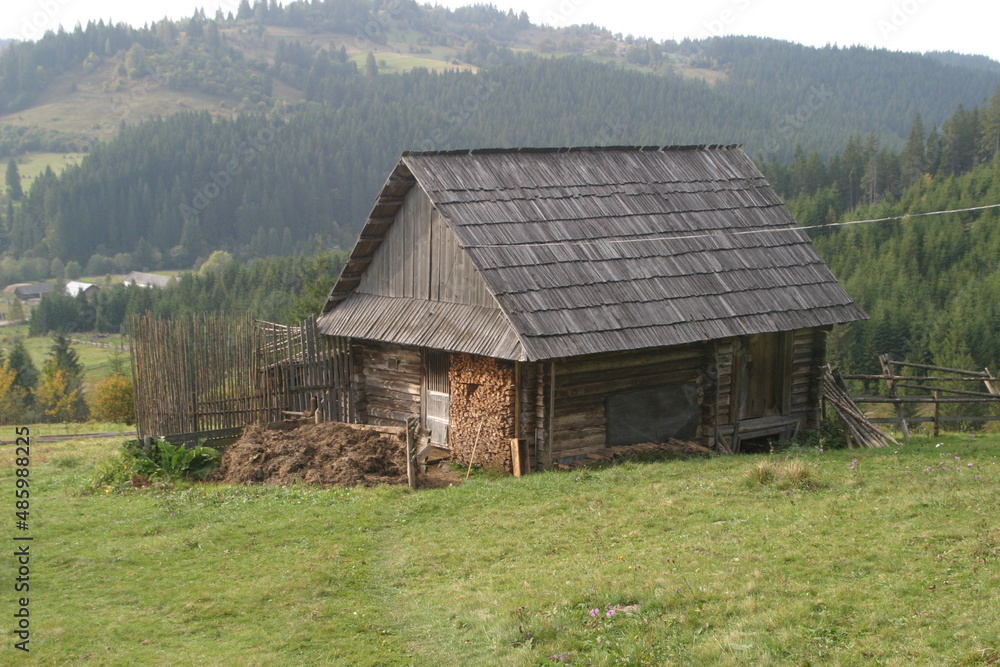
(166,192)
(301,111)
(930,283)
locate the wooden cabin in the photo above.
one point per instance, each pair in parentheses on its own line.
(577,299)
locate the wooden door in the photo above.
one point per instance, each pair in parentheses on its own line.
(437,396)
(768,374)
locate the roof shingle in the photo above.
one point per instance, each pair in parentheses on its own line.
(602,250)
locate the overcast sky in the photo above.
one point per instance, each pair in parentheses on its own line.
(965,26)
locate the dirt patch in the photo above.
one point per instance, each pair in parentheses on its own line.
(326,454)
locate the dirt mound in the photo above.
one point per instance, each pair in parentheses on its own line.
(327,454)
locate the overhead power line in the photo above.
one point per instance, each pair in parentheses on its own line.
(716,234)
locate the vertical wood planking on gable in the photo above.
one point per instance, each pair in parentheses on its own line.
(420,219)
(420,258)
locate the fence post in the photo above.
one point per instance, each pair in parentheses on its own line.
(937,412)
(884,360)
(411,447)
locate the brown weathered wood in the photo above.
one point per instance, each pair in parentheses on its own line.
(961,392)
(411,439)
(990,383)
(856,425)
(927,378)
(475,444)
(216,372)
(519,457)
(920,399)
(957,371)
(884,360)
(552,414)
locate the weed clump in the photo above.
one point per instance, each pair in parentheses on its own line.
(787,474)
(136,467)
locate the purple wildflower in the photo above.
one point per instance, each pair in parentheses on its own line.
(594,612)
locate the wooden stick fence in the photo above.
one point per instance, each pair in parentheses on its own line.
(930,394)
(214,372)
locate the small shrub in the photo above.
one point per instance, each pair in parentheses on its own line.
(760,473)
(113,400)
(787,474)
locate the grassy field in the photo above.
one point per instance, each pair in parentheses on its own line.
(31,165)
(96,360)
(8,433)
(888,557)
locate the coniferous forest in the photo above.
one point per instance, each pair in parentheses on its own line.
(842,133)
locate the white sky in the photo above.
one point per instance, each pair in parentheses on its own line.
(965,26)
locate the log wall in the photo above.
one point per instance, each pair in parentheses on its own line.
(528,376)
(483,406)
(583,384)
(514,400)
(388,379)
(808,359)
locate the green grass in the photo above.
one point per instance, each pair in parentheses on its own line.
(885,557)
(390,62)
(8,433)
(31,165)
(95,360)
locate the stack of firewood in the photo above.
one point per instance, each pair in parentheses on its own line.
(482,411)
(857,428)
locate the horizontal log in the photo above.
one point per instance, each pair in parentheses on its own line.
(576,448)
(377,385)
(929,420)
(567,390)
(913,378)
(922,399)
(957,371)
(578,420)
(381,415)
(620,360)
(963,392)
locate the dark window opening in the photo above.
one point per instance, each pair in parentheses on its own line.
(760,445)
(654,414)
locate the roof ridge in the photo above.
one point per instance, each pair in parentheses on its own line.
(571,149)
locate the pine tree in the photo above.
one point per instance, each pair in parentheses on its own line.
(65,358)
(14,181)
(913,157)
(19,360)
(59,395)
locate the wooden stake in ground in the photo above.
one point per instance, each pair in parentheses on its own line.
(894,392)
(411,436)
(475,443)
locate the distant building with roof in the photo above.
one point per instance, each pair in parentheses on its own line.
(75,287)
(32,292)
(147,279)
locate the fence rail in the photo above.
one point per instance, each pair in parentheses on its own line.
(933,395)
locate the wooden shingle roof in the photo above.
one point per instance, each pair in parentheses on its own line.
(608,249)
